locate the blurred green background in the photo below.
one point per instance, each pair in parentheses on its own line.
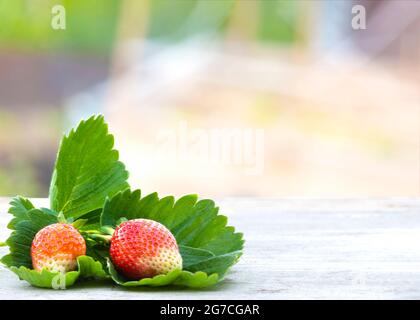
(92,24)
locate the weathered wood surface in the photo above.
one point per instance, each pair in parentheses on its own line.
(295,249)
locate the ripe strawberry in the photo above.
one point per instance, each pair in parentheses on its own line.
(56,248)
(143,248)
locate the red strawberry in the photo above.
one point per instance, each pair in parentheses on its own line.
(56,248)
(143,248)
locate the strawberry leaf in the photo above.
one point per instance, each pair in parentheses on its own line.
(157,281)
(46,279)
(87,268)
(197,279)
(206,244)
(217,264)
(87,170)
(175,277)
(19,207)
(192,256)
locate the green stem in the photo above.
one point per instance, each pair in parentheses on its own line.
(61,218)
(107,230)
(91,232)
(102,237)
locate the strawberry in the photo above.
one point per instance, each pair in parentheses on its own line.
(56,248)
(143,248)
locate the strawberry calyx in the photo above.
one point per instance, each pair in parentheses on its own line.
(101,236)
(98,237)
(61,218)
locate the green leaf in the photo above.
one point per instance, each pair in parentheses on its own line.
(123,205)
(197,279)
(217,264)
(157,281)
(46,279)
(97,251)
(20,240)
(79,223)
(19,207)
(192,256)
(62,219)
(92,220)
(208,246)
(87,268)
(175,277)
(87,170)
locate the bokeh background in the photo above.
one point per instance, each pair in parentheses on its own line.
(320,109)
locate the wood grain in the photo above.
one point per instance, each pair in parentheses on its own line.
(295,249)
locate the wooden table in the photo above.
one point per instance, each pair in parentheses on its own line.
(295,249)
